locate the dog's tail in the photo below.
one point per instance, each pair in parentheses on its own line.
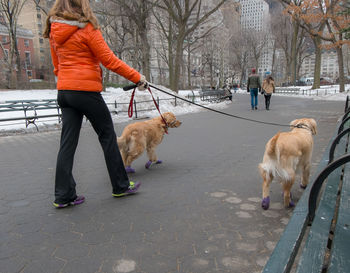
(122,144)
(271,163)
(271,149)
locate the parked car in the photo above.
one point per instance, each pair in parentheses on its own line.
(326,81)
(307,80)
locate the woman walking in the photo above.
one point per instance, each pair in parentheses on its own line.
(268,87)
(77,50)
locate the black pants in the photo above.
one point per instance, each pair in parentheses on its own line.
(267,101)
(74,105)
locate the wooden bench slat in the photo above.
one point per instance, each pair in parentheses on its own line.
(312,257)
(340,254)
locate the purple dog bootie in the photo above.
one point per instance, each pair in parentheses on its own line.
(291,202)
(128,169)
(265,203)
(149,163)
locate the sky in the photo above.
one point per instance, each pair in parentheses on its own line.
(112,95)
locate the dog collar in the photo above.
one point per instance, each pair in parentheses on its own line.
(303,126)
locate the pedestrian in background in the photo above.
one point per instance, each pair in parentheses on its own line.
(268,87)
(254,86)
(77,49)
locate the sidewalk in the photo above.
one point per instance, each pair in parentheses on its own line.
(197,212)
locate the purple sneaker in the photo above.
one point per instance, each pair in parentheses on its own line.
(77,201)
(133,187)
(149,163)
(128,169)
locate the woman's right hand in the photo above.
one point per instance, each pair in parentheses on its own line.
(142,85)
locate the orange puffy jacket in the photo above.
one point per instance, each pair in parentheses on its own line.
(77,49)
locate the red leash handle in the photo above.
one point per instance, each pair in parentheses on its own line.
(131,106)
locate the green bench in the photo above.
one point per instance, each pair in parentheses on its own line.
(317,237)
(212,95)
(30,110)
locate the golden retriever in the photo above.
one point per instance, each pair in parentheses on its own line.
(142,135)
(285,154)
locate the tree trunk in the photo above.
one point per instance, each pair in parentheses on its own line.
(145,49)
(318,58)
(294,52)
(341,68)
(189,65)
(178,62)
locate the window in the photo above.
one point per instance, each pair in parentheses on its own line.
(29,74)
(27,58)
(4,39)
(41,40)
(38,15)
(42,50)
(26,43)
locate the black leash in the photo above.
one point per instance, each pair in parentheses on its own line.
(126,88)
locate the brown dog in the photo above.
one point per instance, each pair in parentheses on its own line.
(285,154)
(142,135)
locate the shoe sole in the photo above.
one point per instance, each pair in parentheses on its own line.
(134,190)
(76,202)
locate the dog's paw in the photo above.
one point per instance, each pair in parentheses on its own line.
(128,169)
(303,186)
(148,164)
(291,204)
(265,203)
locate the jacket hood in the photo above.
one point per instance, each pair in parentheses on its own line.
(62,30)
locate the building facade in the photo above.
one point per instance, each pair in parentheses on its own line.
(329,65)
(255,18)
(26,50)
(33,17)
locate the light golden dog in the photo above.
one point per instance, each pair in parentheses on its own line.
(286,154)
(142,135)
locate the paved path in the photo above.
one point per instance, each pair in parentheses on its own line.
(197,212)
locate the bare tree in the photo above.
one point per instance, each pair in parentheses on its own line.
(179,12)
(256,42)
(315,16)
(10,11)
(139,11)
(240,53)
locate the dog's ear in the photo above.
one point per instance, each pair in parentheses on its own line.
(313,126)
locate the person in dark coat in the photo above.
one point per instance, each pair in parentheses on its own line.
(254,86)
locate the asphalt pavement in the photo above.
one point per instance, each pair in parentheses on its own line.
(197,212)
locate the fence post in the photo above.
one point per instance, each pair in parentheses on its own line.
(175,101)
(135,108)
(158,101)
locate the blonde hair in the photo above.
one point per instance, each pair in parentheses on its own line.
(74,10)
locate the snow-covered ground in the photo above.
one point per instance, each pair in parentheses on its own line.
(122,98)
